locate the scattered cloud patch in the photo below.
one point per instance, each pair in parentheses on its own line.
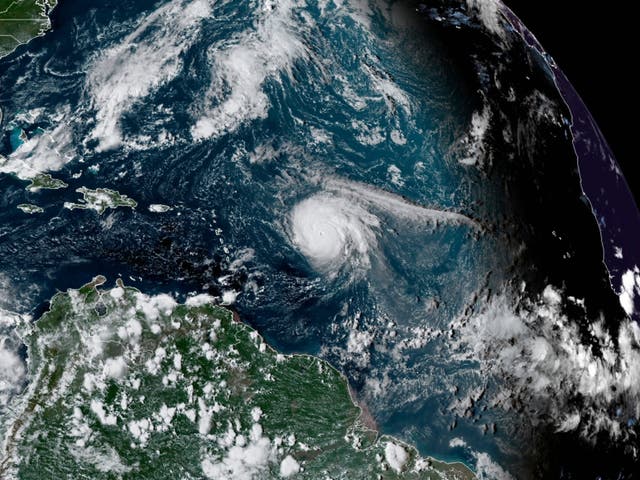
(48,151)
(476,147)
(242,66)
(145,59)
(489,14)
(487,469)
(590,385)
(245,460)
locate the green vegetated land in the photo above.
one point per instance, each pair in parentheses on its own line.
(22,20)
(44,181)
(100,200)
(125,385)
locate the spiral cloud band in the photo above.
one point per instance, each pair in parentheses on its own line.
(339,227)
(331,231)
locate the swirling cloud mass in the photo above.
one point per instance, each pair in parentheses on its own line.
(332,231)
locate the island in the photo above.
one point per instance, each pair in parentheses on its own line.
(100,200)
(132,386)
(159,208)
(44,181)
(22,20)
(30,208)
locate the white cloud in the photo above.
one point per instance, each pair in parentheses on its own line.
(489,14)
(140,430)
(204,417)
(148,57)
(289,466)
(396,456)
(395,175)
(159,208)
(12,372)
(199,300)
(457,442)
(241,67)
(105,459)
(115,367)
(338,227)
(476,148)
(629,289)
(117,292)
(229,297)
(105,418)
(331,231)
(544,359)
(395,204)
(45,152)
(487,469)
(244,460)
(153,307)
(358,345)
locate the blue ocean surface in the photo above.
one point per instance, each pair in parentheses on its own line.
(313,159)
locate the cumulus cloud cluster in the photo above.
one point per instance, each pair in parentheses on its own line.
(489,14)
(629,290)
(589,384)
(241,67)
(145,59)
(476,146)
(245,459)
(12,370)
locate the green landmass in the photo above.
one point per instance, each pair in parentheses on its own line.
(45,181)
(100,200)
(128,386)
(30,208)
(22,20)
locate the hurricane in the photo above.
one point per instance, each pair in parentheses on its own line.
(333,231)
